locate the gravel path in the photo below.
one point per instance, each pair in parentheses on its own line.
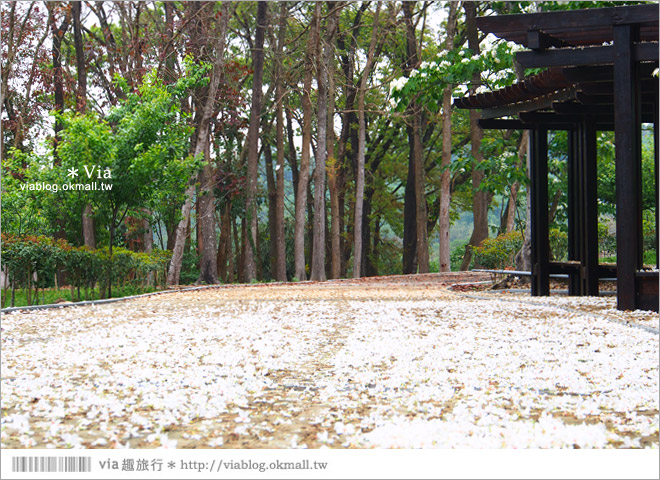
(395,362)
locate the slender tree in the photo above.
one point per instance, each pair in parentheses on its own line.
(24,38)
(250,240)
(480,199)
(346,153)
(416,154)
(303,177)
(325,59)
(202,137)
(332,166)
(81,106)
(280,241)
(58,80)
(359,181)
(445,179)
(205,201)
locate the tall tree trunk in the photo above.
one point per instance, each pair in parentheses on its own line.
(420,193)
(58,80)
(318,258)
(317,272)
(224,244)
(202,136)
(347,43)
(367,268)
(410,259)
(170,230)
(375,252)
(410,221)
(359,181)
(205,226)
(510,219)
(415,138)
(148,236)
(170,56)
(444,250)
(238,259)
(333,170)
(89,237)
(241,257)
(253,143)
(280,242)
(291,153)
(480,200)
(523,258)
(148,233)
(81,68)
(198,215)
(272,194)
(58,87)
(303,178)
(208,261)
(309,228)
(333,232)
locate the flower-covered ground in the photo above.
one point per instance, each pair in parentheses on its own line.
(339,364)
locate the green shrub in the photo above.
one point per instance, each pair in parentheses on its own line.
(558,245)
(456,257)
(648,230)
(24,257)
(606,240)
(499,252)
(84,267)
(189,267)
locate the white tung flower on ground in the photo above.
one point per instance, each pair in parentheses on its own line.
(216,442)
(502,363)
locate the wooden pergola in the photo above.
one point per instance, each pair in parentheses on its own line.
(599,76)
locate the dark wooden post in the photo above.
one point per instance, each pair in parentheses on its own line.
(539,210)
(628,165)
(589,188)
(574,210)
(656,173)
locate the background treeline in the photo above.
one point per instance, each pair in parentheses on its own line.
(270,140)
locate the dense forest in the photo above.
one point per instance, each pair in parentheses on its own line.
(259,141)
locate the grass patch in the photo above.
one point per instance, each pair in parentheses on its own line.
(650,258)
(52,295)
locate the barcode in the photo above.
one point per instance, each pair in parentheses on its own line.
(51,464)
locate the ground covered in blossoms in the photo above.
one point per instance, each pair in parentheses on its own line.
(400,362)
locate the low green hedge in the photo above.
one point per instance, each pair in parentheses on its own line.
(85,268)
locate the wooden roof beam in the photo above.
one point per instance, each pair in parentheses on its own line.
(606,99)
(647,86)
(539,40)
(599,111)
(642,52)
(503,124)
(538,103)
(601,73)
(576,19)
(579,109)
